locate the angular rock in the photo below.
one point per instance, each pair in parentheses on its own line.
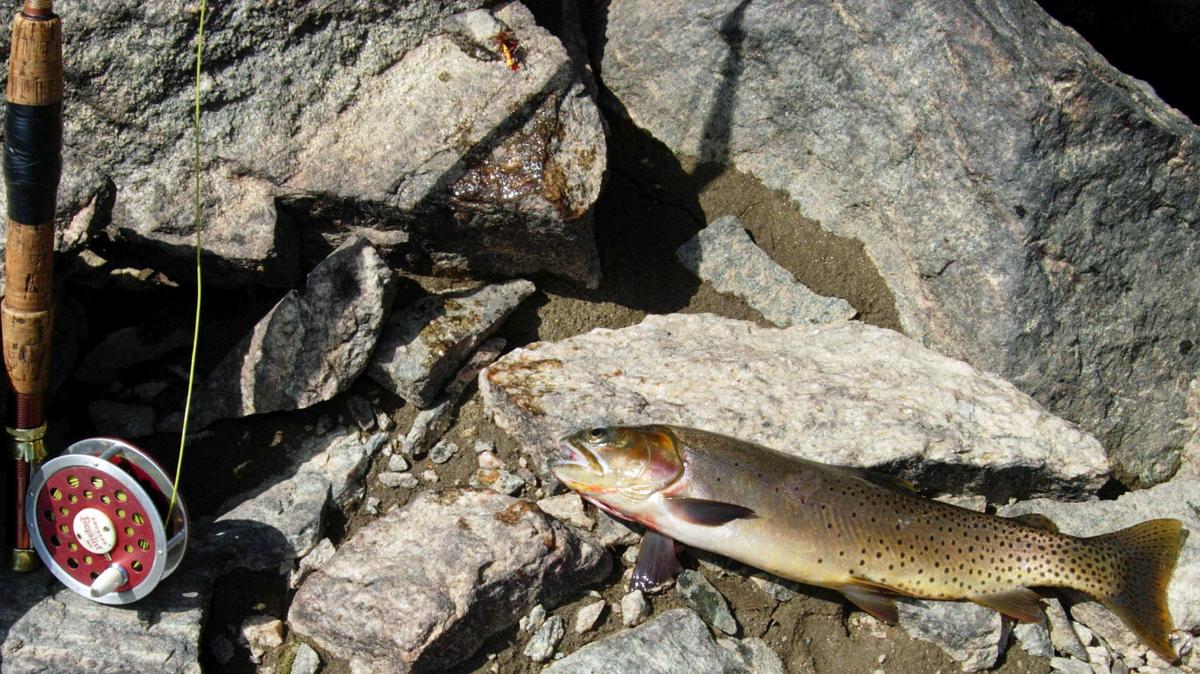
(695,590)
(443,451)
(306,660)
(283,519)
(48,628)
(1062,632)
(723,254)
(1029,206)
(330,150)
(534,619)
(972,635)
(1179,499)
(315,559)
(424,343)
(842,393)
(425,585)
(676,641)
(1034,638)
(498,480)
(429,425)
(587,616)
(542,644)
(393,480)
(568,508)
(634,608)
(262,633)
(310,346)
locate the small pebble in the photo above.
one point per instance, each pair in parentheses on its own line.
(402,480)
(306,661)
(587,616)
(497,480)
(629,557)
(397,464)
(261,633)
(697,592)
(634,608)
(534,620)
(489,460)
(384,421)
(372,505)
(361,412)
(484,446)
(443,451)
(430,476)
(541,646)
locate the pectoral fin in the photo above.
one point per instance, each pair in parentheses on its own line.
(707,513)
(1021,604)
(656,562)
(873,599)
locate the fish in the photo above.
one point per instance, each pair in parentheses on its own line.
(864,534)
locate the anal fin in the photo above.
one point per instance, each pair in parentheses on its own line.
(656,562)
(877,600)
(1020,604)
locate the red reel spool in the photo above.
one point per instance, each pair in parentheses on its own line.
(97,517)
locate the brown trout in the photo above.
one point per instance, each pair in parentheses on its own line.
(861,533)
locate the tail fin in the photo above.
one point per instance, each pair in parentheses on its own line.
(1146,555)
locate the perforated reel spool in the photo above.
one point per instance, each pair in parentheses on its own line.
(97,518)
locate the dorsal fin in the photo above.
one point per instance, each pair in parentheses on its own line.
(884,480)
(1037,521)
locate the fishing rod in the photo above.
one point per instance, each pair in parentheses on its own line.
(103,516)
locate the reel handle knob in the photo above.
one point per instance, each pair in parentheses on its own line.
(108,580)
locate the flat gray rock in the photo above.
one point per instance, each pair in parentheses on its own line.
(1031,209)
(843,393)
(1179,499)
(676,641)
(283,520)
(310,346)
(44,627)
(723,254)
(424,343)
(425,585)
(972,635)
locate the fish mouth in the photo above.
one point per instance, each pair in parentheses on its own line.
(577,466)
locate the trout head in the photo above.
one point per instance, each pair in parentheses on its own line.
(619,467)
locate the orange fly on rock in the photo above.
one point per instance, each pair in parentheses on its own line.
(508,47)
(861,533)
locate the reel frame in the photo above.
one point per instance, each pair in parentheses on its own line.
(97,512)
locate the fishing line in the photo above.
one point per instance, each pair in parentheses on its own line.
(197,221)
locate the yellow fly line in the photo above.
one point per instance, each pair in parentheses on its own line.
(187,406)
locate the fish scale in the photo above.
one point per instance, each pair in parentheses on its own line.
(861,533)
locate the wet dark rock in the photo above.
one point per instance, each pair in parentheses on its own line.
(310,346)
(426,585)
(1031,209)
(424,343)
(838,393)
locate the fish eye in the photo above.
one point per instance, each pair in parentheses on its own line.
(597,434)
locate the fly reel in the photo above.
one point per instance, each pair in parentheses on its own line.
(97,516)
